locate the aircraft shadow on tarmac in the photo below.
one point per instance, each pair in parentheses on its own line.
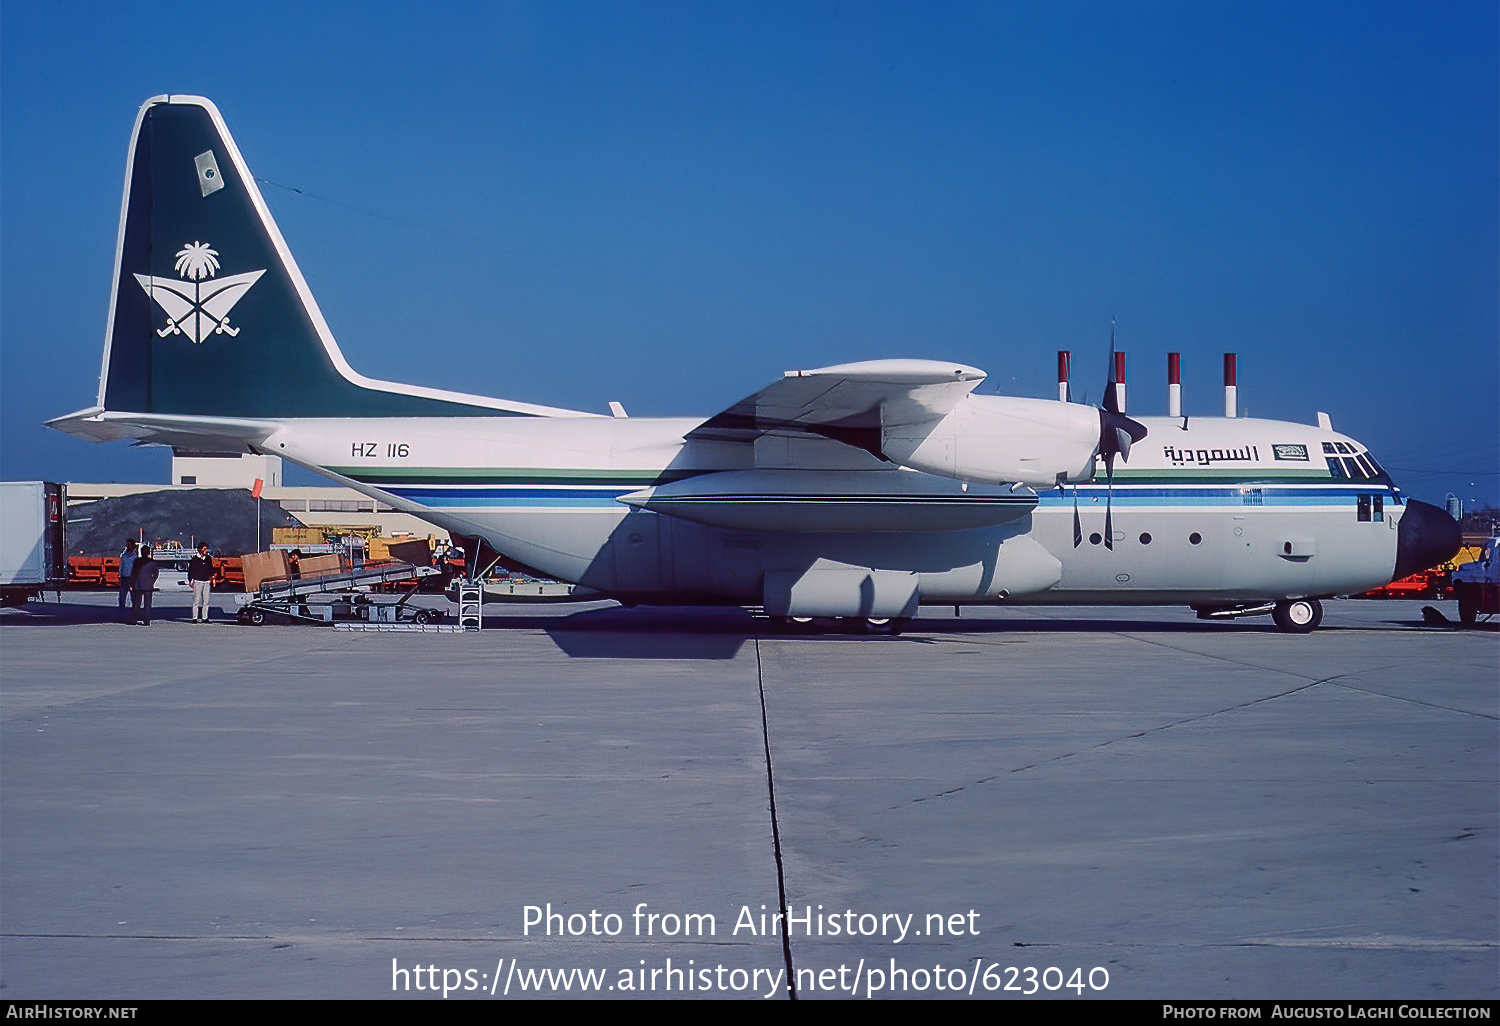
(662,632)
(697,633)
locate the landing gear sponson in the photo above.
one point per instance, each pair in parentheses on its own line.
(887,625)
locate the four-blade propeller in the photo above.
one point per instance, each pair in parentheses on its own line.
(1117,433)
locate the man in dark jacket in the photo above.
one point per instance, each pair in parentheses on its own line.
(127,570)
(201,576)
(142,584)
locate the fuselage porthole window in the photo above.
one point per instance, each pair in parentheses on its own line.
(1194,538)
(1095,538)
(1145,537)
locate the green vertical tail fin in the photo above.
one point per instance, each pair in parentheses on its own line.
(210,315)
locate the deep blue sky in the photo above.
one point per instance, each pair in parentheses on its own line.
(669,204)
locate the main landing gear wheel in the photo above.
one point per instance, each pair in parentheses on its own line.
(1298,616)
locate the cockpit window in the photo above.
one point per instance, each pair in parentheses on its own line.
(1354,465)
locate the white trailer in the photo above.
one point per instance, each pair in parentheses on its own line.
(33,555)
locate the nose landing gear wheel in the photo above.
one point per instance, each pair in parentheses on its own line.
(1298,616)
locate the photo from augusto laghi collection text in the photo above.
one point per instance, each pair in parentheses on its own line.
(895,975)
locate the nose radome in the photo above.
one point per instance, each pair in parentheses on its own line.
(1426,536)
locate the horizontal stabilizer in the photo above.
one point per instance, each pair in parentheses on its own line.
(199,433)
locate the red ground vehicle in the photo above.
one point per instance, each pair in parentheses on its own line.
(1433,584)
(104,572)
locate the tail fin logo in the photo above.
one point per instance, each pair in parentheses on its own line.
(195,307)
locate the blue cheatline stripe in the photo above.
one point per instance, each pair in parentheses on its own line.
(1185,497)
(1205,502)
(1326,488)
(499,498)
(855,497)
(1280,495)
(437,477)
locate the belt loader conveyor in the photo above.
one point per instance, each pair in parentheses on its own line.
(328,597)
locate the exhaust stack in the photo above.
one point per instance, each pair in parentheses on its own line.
(1064,372)
(1118,382)
(1174,384)
(1231,391)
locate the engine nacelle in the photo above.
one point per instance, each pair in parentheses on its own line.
(998,439)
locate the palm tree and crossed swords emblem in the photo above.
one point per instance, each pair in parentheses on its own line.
(194,307)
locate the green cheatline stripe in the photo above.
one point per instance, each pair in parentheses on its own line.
(642,478)
(1189,475)
(512,475)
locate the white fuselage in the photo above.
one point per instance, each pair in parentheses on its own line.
(858,490)
(1205,511)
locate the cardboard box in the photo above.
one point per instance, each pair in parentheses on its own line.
(417,553)
(329,564)
(296,536)
(263,566)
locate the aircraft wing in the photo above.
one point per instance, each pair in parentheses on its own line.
(923,415)
(850,403)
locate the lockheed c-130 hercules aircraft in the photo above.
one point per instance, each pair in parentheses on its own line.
(856,492)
